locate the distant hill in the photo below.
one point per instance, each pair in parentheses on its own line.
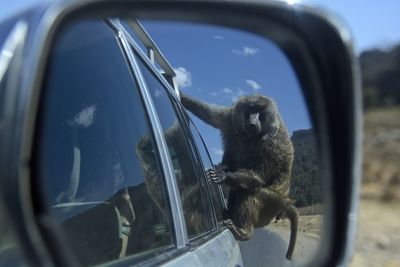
(380,72)
(306,185)
(381,149)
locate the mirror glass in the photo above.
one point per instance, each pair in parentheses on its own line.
(114,141)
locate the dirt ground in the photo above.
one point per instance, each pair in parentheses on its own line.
(378,238)
(309,225)
(381,161)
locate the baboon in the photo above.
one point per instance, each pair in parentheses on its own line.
(257,159)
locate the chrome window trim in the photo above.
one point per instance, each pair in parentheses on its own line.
(154,52)
(146,59)
(15,37)
(166,164)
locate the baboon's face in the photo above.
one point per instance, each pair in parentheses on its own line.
(255,115)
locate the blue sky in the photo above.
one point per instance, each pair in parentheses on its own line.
(372,23)
(217,65)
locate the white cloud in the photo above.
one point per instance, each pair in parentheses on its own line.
(157,93)
(246,51)
(240,92)
(85,118)
(183,77)
(218,151)
(227,90)
(232,94)
(214,94)
(253,84)
(250,50)
(218,37)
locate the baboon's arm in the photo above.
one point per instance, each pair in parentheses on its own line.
(245,179)
(249,180)
(213,115)
(281,185)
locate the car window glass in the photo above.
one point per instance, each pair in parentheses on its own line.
(96,154)
(193,200)
(215,190)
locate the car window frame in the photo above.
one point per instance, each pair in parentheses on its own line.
(175,110)
(198,165)
(179,225)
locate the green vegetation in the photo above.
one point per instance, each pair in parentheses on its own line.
(306,185)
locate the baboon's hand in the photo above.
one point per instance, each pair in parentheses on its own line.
(211,175)
(215,177)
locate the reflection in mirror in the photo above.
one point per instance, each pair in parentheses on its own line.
(100,156)
(225,68)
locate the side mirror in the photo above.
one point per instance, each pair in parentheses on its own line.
(214,59)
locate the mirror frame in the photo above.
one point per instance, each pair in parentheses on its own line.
(317,44)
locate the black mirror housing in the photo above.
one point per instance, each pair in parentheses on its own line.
(317,44)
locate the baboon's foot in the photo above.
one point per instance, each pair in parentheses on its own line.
(278,218)
(241,234)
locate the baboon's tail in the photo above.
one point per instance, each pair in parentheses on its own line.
(291,214)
